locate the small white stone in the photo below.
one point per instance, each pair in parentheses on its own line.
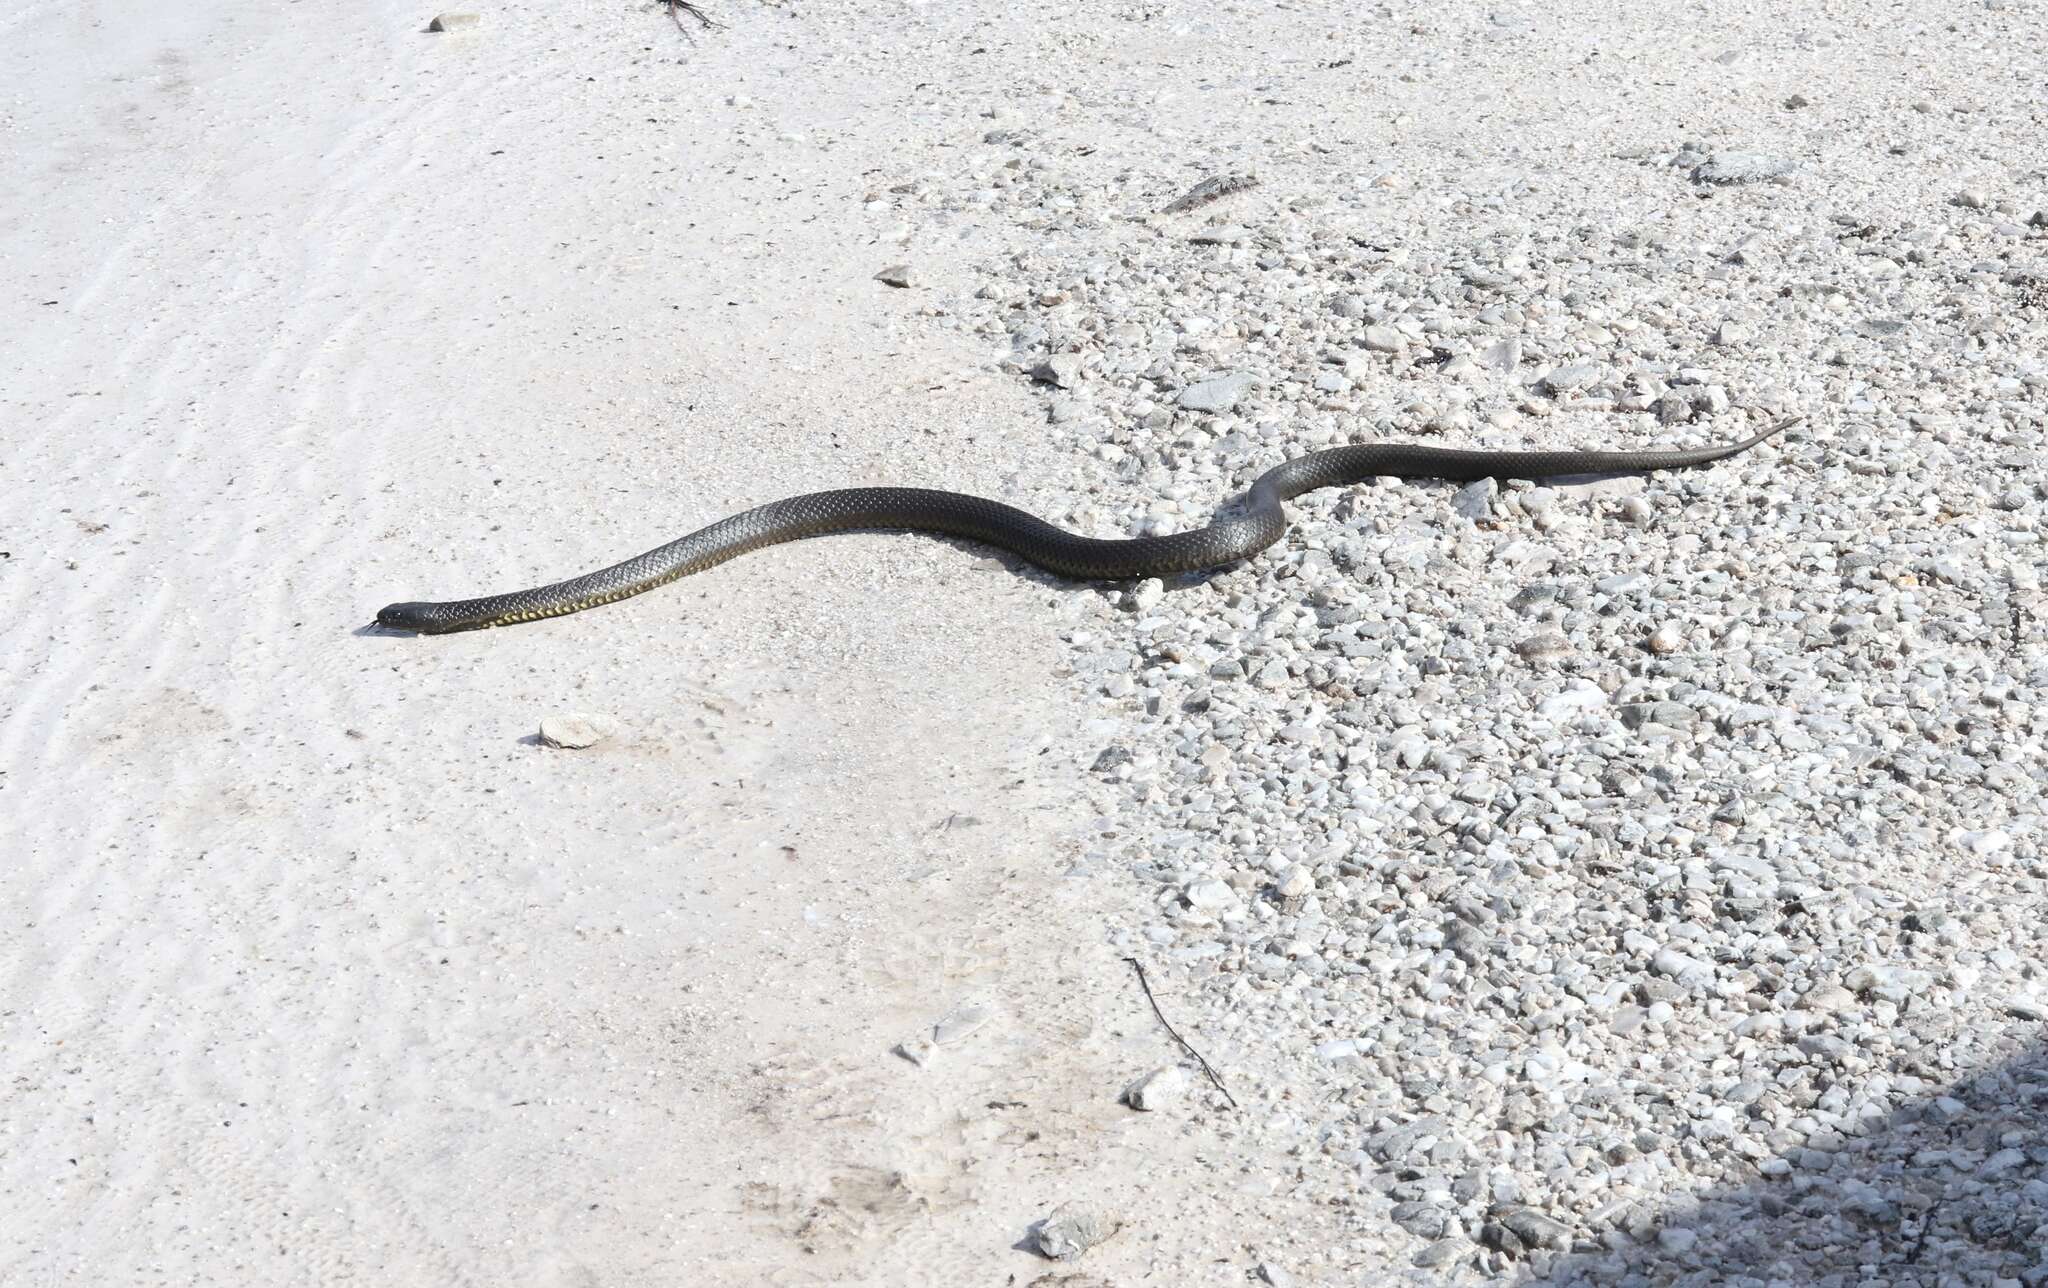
(1061,370)
(959,1023)
(1145,596)
(1825,999)
(1672,964)
(1210,895)
(574,731)
(1890,983)
(1667,639)
(1742,167)
(917,1049)
(1980,843)
(1070,1230)
(1545,646)
(1503,356)
(1581,696)
(2002,1161)
(452,21)
(1677,1241)
(1162,1088)
(1574,375)
(2024,1007)
(1475,500)
(1216,394)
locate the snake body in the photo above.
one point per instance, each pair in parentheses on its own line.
(1255,524)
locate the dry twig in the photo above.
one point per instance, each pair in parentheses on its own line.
(676,10)
(1145,984)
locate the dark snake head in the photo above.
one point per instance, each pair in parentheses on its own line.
(407,617)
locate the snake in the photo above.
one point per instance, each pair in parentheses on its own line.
(1236,534)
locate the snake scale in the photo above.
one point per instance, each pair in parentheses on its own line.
(1249,528)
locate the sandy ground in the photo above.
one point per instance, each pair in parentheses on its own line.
(314,966)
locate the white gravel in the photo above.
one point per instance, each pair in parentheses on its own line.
(1612,882)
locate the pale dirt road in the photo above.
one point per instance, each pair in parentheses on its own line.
(315,968)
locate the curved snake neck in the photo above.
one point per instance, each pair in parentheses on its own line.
(1257,523)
